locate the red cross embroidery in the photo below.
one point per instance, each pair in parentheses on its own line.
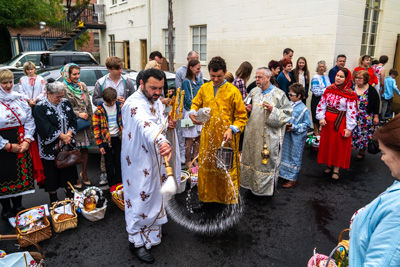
(128,203)
(146,124)
(145,149)
(152,110)
(130,135)
(144,196)
(128,160)
(127,181)
(133,111)
(146,173)
(144,216)
(163,178)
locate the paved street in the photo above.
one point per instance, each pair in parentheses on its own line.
(274,231)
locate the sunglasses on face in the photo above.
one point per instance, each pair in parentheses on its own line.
(290,94)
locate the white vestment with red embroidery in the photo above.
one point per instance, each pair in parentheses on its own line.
(143,169)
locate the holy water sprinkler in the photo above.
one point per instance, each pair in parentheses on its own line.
(170,185)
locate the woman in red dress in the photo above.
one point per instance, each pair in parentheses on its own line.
(337,113)
(363,64)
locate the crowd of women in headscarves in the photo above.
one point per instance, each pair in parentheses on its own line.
(34,125)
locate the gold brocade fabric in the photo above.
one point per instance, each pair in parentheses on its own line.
(258,177)
(227,108)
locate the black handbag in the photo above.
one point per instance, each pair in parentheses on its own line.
(68,156)
(373,147)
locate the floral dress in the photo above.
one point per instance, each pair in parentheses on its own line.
(365,127)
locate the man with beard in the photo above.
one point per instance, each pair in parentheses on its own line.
(143,168)
(270,112)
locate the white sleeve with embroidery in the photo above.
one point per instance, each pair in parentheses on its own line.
(351,114)
(28,121)
(321,108)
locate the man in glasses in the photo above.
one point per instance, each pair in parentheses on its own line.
(262,147)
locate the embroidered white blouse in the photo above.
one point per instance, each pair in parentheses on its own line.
(32,87)
(340,103)
(20,107)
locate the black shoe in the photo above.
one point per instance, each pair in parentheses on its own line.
(7,214)
(141,253)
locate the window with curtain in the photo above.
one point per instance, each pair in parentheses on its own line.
(166,50)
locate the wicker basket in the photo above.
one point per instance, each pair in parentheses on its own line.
(117,200)
(65,224)
(35,236)
(37,256)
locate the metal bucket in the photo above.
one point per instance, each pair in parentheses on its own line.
(224,157)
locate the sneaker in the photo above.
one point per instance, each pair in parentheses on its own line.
(103,178)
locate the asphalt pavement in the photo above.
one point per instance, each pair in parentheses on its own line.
(273,231)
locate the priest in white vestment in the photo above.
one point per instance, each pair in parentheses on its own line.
(144,144)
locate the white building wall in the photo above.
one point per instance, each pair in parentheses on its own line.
(255,30)
(388,30)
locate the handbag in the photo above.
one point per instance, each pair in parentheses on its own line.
(373,147)
(82,124)
(187,123)
(68,156)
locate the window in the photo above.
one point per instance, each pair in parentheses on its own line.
(370,27)
(112,45)
(199,41)
(166,43)
(96,41)
(113,2)
(83,60)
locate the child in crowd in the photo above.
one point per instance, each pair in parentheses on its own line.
(295,137)
(107,129)
(387,94)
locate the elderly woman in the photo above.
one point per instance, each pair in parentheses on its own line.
(285,78)
(16,133)
(32,86)
(78,96)
(368,113)
(363,64)
(337,112)
(56,124)
(319,83)
(374,234)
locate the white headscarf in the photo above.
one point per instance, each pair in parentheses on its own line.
(8,97)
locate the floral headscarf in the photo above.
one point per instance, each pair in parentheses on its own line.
(75,88)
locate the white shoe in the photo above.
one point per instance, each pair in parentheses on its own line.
(103,178)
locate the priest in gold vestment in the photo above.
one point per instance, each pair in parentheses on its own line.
(270,112)
(228,118)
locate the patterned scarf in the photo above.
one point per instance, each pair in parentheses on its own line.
(75,88)
(343,90)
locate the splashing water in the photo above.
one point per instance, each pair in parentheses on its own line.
(205,222)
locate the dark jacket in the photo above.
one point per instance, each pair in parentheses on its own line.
(373,100)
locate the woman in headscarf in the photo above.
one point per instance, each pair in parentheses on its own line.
(56,125)
(337,114)
(16,134)
(78,96)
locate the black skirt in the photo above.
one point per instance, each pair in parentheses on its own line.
(16,176)
(56,178)
(314,103)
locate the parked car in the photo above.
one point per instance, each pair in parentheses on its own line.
(48,59)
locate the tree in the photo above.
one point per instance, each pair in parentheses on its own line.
(23,13)
(170,36)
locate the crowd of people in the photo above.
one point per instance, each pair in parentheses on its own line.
(265,124)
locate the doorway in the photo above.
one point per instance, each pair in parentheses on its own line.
(143,53)
(396,65)
(127,56)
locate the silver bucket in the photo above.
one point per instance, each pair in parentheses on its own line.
(225,157)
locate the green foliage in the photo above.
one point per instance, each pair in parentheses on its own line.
(82,40)
(23,13)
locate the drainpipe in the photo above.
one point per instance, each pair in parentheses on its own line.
(148,27)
